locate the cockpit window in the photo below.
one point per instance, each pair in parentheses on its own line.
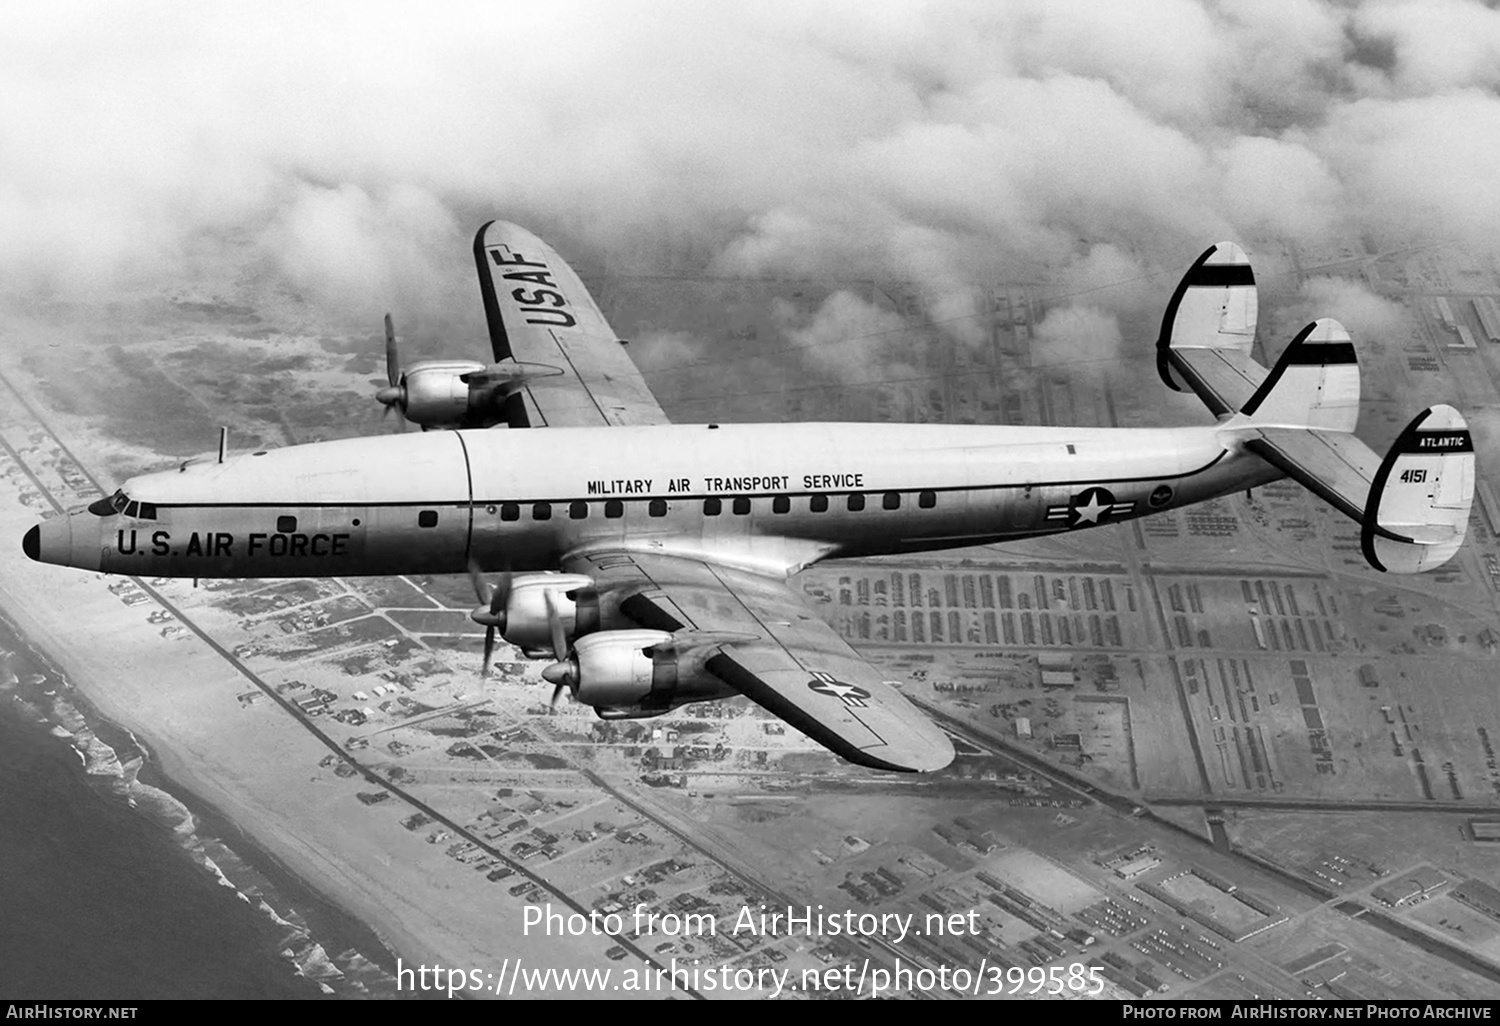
(109,505)
(122,503)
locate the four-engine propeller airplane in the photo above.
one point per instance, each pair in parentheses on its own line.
(675,542)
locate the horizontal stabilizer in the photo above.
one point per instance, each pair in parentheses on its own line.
(1336,467)
(1418,510)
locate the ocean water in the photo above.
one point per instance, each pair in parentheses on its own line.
(112,887)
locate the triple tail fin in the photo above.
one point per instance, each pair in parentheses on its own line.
(1418,510)
(1412,506)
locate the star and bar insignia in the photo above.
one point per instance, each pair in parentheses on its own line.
(827,684)
(1089,507)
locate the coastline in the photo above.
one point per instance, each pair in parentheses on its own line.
(205,837)
(261,773)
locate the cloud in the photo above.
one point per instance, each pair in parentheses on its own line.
(1079,339)
(846,339)
(351,149)
(1371,320)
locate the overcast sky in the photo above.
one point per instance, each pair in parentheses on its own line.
(353,148)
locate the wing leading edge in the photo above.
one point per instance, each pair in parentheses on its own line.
(539,312)
(798,668)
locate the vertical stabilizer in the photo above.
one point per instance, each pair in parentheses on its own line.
(1418,510)
(1315,383)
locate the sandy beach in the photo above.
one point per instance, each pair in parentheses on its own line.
(260,768)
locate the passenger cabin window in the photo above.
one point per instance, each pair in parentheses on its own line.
(741,506)
(891,500)
(288,525)
(856,502)
(541,511)
(658,507)
(578,509)
(510,511)
(781,504)
(712,507)
(614,509)
(818,504)
(426,518)
(927,500)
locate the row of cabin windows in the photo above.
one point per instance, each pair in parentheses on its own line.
(577,510)
(712,507)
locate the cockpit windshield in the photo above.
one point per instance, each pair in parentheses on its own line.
(110,504)
(122,503)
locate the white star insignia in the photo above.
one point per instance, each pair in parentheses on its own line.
(1091,513)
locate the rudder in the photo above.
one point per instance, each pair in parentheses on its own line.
(1314,384)
(1214,307)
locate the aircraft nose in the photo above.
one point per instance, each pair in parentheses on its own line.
(53,541)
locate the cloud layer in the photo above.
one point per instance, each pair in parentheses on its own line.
(352,148)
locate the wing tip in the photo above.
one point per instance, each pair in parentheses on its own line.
(939,755)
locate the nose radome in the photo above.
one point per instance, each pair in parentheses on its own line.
(32,543)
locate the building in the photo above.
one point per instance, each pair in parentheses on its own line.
(1023,727)
(1058,679)
(1484,829)
(1410,888)
(1465,339)
(1479,896)
(1489,505)
(1489,317)
(1367,677)
(1445,313)
(1135,867)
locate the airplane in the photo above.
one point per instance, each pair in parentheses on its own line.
(651,561)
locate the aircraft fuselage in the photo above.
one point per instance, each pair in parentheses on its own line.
(764,495)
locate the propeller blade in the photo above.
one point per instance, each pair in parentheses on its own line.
(489,651)
(392,360)
(482,589)
(556,694)
(554,621)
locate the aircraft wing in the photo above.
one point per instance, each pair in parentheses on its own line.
(797,667)
(540,313)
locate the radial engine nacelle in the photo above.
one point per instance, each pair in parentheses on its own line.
(453,393)
(639,672)
(528,623)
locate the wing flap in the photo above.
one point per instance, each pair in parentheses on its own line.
(797,668)
(539,312)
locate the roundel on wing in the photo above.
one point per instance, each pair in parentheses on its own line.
(850,694)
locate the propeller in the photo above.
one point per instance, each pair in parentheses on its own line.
(393,396)
(490,613)
(564,672)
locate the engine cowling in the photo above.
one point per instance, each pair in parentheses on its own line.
(434,394)
(618,667)
(635,673)
(526,623)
